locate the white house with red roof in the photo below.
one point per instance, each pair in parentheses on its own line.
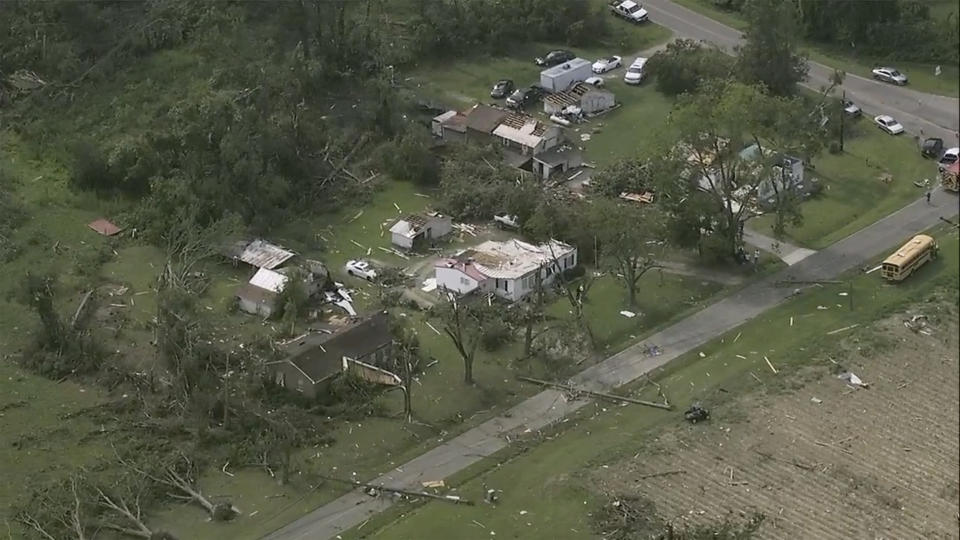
(508,269)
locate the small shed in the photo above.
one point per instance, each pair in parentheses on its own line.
(558,78)
(589,99)
(436,126)
(418,229)
(558,159)
(259,295)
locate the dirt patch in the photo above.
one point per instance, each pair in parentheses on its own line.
(852,463)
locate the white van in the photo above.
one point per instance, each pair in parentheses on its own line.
(637,72)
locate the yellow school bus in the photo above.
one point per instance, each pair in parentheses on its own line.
(920,249)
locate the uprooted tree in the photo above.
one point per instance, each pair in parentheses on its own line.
(79,506)
(179,474)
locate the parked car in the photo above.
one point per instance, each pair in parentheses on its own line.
(506,221)
(524,97)
(932,148)
(502,89)
(890,75)
(554,58)
(888,124)
(948,158)
(361,269)
(637,72)
(629,10)
(851,109)
(604,65)
(595,81)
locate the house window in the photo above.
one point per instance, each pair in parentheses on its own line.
(464,281)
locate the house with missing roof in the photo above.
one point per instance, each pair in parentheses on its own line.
(526,135)
(364,348)
(587,98)
(419,230)
(508,269)
(259,295)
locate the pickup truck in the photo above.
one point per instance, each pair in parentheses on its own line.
(629,10)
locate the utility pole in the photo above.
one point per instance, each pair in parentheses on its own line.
(842,101)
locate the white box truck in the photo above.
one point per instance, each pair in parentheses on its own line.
(560,77)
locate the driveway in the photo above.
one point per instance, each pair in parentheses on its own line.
(921,114)
(550,406)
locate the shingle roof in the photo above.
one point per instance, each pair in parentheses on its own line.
(484,118)
(321,355)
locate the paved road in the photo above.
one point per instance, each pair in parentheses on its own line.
(787,252)
(550,406)
(935,115)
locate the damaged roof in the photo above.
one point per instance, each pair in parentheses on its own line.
(320,355)
(259,253)
(485,118)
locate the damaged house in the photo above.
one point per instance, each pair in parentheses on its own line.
(420,230)
(508,269)
(364,348)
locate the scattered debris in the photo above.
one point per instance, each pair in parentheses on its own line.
(791,321)
(431,327)
(821,308)
(702,355)
(874,269)
(628,314)
(816,400)
(652,350)
(429,285)
(773,369)
(664,473)
(433,484)
(916,323)
(354,218)
(104,227)
(844,329)
(853,380)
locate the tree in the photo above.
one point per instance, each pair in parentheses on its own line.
(769,56)
(463,323)
(684,64)
(628,238)
(717,178)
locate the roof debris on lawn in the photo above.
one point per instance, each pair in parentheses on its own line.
(645,197)
(104,227)
(259,253)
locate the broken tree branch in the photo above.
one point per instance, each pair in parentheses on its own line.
(664,473)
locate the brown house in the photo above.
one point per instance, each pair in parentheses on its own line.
(365,346)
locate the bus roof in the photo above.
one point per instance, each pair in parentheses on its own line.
(917,244)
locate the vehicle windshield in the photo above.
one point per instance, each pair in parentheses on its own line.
(894,73)
(517,94)
(634,70)
(633,9)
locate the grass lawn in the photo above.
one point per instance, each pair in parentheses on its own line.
(921,75)
(628,130)
(660,298)
(853,195)
(468,81)
(547,488)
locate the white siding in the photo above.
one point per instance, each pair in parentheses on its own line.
(454,280)
(401,240)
